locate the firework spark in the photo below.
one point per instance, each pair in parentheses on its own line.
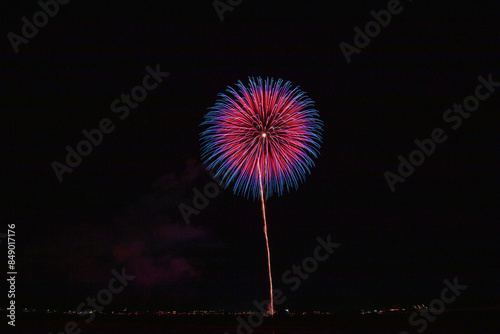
(262,139)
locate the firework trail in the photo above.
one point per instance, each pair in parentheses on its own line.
(263,139)
(263,201)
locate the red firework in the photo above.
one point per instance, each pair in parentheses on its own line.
(262,139)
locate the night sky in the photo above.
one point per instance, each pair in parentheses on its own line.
(119,207)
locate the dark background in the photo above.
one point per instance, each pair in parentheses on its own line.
(119,208)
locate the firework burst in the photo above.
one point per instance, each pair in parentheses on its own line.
(262,139)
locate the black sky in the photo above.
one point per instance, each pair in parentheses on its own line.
(119,208)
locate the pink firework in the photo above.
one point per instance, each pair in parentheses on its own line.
(262,140)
